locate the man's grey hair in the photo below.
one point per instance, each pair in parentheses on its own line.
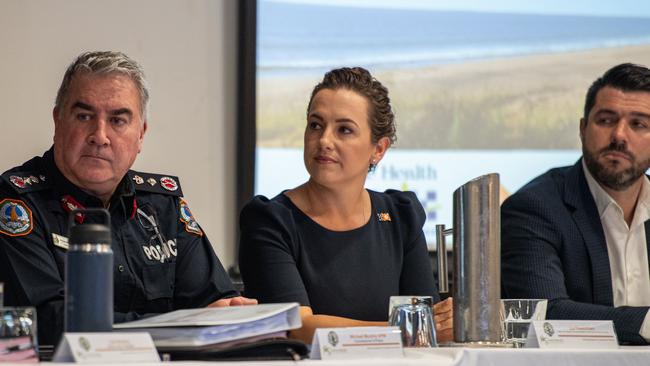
(104,63)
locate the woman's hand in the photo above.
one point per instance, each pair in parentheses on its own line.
(444,319)
(233,301)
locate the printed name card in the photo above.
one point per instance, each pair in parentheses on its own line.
(356,342)
(106,348)
(595,334)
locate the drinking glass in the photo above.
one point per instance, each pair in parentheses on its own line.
(516,315)
(18,334)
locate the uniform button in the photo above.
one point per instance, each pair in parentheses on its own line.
(120,268)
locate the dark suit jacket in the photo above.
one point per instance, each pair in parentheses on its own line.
(553,247)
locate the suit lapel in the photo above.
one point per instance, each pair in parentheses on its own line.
(647,238)
(578,195)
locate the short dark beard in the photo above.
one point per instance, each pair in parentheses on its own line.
(616,181)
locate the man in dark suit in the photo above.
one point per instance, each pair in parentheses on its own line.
(579,236)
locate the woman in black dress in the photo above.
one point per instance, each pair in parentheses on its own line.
(330,244)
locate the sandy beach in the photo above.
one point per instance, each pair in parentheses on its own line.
(528,102)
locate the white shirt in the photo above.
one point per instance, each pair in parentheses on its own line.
(626,246)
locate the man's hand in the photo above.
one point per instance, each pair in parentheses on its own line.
(444,319)
(233,301)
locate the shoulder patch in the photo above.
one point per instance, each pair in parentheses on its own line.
(24,182)
(191,226)
(15,218)
(156,183)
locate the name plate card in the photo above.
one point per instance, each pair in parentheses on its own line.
(106,348)
(357,342)
(585,334)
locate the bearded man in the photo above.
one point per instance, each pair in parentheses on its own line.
(578,235)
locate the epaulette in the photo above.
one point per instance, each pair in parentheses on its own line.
(156,183)
(25,182)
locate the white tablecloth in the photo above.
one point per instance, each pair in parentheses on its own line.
(633,356)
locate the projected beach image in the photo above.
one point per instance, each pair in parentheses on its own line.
(475,90)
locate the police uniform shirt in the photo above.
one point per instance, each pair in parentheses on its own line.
(162,259)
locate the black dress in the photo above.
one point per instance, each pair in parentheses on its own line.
(285,256)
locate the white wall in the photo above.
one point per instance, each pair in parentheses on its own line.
(188,51)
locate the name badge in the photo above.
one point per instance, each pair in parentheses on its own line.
(596,334)
(60,241)
(106,348)
(357,342)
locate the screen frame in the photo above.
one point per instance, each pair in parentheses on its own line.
(246,115)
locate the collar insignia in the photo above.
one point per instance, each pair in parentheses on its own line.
(68,203)
(138,179)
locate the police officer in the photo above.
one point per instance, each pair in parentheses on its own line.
(162,259)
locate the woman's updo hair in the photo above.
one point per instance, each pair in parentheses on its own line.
(358,79)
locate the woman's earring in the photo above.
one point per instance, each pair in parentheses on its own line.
(372,166)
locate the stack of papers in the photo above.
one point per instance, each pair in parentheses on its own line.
(192,328)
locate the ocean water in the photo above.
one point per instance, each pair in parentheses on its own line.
(295,38)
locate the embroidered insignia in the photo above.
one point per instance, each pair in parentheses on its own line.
(138,179)
(158,249)
(68,203)
(60,241)
(191,226)
(42,177)
(161,252)
(17,181)
(383,216)
(15,218)
(168,183)
(152,182)
(33,179)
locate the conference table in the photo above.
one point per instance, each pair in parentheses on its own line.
(626,355)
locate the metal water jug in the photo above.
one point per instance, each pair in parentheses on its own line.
(477,261)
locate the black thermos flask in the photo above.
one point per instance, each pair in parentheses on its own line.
(89,274)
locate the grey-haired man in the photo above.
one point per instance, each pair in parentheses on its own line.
(162,259)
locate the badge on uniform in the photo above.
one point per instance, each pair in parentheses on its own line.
(191,226)
(68,203)
(19,182)
(168,183)
(15,218)
(138,179)
(60,241)
(22,182)
(383,216)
